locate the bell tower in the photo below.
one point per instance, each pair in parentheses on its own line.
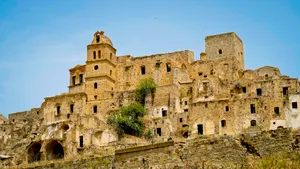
(100,67)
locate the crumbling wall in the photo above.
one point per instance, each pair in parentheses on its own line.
(77,79)
(129,73)
(217,151)
(267,143)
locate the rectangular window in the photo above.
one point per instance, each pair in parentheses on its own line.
(158,131)
(71,108)
(200,129)
(185,102)
(80,78)
(143,70)
(180,120)
(252,108)
(244,90)
(285,91)
(164,113)
(68,116)
(95,109)
(258,92)
(73,80)
(227,108)
(294,105)
(186,110)
(81,141)
(223,123)
(276,110)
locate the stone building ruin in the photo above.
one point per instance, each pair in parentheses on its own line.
(215,95)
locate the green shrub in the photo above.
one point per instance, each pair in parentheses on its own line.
(148,135)
(128,120)
(145,87)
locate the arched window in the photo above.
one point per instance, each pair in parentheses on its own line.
(94,53)
(110,72)
(110,57)
(99,54)
(97,38)
(168,65)
(95,85)
(253,123)
(95,109)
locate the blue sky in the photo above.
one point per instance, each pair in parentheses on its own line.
(41,39)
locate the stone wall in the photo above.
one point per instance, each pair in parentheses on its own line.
(218,151)
(265,144)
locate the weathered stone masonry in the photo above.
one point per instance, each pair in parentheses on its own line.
(215,95)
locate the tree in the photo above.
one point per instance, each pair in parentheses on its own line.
(145,87)
(128,120)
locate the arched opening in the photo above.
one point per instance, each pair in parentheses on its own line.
(253,123)
(34,152)
(220,51)
(185,134)
(110,57)
(54,151)
(97,38)
(65,127)
(143,70)
(99,54)
(94,53)
(168,66)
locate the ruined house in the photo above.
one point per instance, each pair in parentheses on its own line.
(213,95)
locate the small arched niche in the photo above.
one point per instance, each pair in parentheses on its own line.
(65,127)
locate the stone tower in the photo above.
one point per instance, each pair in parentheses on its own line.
(100,68)
(227,45)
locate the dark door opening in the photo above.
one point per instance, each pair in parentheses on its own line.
(200,129)
(164,113)
(34,153)
(54,151)
(158,130)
